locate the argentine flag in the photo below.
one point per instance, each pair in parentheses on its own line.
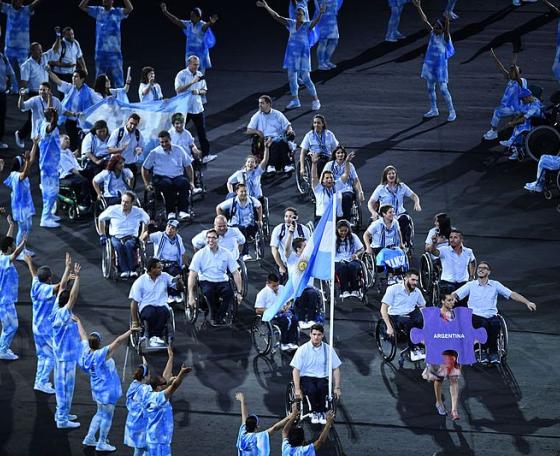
(316,261)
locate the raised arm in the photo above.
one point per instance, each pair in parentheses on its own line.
(211,21)
(325,432)
(34,4)
(279,425)
(29,262)
(176,383)
(423,17)
(26,164)
(75,288)
(84,5)
(11,226)
(173,19)
(523,300)
(128,6)
(66,274)
(314,176)
(274,14)
(499,63)
(54,78)
(292,417)
(19,248)
(266,154)
(168,370)
(118,342)
(81,330)
(241,398)
(318,18)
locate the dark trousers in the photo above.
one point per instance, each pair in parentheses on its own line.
(25,130)
(288,325)
(347,200)
(173,269)
(2,114)
(446,287)
(492,327)
(407,322)
(73,132)
(249,233)
(213,291)
(125,249)
(156,317)
(347,273)
(279,155)
(405,225)
(306,306)
(200,125)
(316,389)
(175,190)
(80,185)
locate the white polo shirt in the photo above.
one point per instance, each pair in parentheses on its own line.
(34,73)
(273,124)
(279,237)
(230,240)
(167,249)
(323,197)
(345,251)
(314,361)
(213,266)
(148,292)
(267,297)
(133,140)
(400,301)
(455,268)
(37,107)
(183,139)
(483,299)
(121,224)
(72,52)
(194,103)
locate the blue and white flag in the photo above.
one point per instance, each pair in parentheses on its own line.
(316,261)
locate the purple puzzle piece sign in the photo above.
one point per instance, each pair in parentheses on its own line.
(439,335)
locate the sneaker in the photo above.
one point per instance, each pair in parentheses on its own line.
(288,168)
(68,425)
(8,355)
(124,275)
(293,104)
(72,417)
(208,158)
(156,341)
(89,441)
(417,355)
(494,358)
(431,113)
(490,135)
(171,215)
(104,446)
(331,65)
(452,116)
(305,324)
(344,294)
(391,39)
(392,280)
(3,145)
(197,190)
(484,358)
(441,409)
(514,155)
(505,143)
(270,169)
(285,347)
(132,274)
(170,299)
(315,419)
(247,257)
(322,418)
(49,224)
(516,3)
(20,142)
(56,218)
(44,388)
(293,347)
(356,294)
(315,105)
(323,67)
(184,215)
(533,186)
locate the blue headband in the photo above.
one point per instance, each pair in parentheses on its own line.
(98,335)
(256,418)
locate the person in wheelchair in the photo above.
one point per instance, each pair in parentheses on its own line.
(209,267)
(113,181)
(125,221)
(441,230)
(383,241)
(170,251)
(285,319)
(95,149)
(172,174)
(308,306)
(271,123)
(482,299)
(250,175)
(229,237)
(530,108)
(546,163)
(310,373)
(392,191)
(457,263)
(243,212)
(324,189)
(347,265)
(279,239)
(346,179)
(319,140)
(400,310)
(70,174)
(148,296)
(128,141)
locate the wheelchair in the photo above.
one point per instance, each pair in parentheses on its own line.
(304,405)
(388,345)
(303,183)
(430,273)
(102,203)
(502,344)
(139,339)
(109,258)
(356,216)
(166,265)
(154,205)
(265,335)
(256,243)
(67,201)
(244,277)
(545,137)
(379,274)
(265,218)
(202,306)
(363,283)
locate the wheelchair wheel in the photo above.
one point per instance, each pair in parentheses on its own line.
(503,339)
(98,207)
(107,267)
(259,244)
(191,312)
(154,204)
(170,327)
(302,182)
(543,140)
(290,397)
(261,333)
(134,339)
(266,220)
(244,277)
(386,345)
(426,273)
(369,265)
(356,216)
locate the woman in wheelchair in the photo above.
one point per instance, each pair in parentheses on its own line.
(113,181)
(250,174)
(392,191)
(319,140)
(347,265)
(70,174)
(95,149)
(441,229)
(148,296)
(383,240)
(346,179)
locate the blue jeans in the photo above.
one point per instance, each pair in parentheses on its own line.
(126,251)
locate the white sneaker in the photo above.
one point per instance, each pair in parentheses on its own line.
(156,341)
(315,419)
(441,409)
(270,169)
(505,143)
(72,417)
(247,257)
(333,65)
(322,418)
(516,3)
(104,446)
(45,388)
(49,224)
(315,105)
(89,441)
(452,116)
(285,347)
(324,67)
(132,274)
(293,347)
(3,145)
(197,190)
(533,187)
(431,113)
(184,215)
(68,425)
(344,294)
(20,142)
(288,168)
(209,158)
(124,275)
(356,294)
(490,135)
(391,39)
(171,215)
(293,104)
(417,355)
(56,218)
(8,355)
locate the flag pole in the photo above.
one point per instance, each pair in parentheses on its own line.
(331,309)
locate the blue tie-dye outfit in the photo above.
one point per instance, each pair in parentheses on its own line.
(327,30)
(105,389)
(529,111)
(297,59)
(42,298)
(396,7)
(556,64)
(434,69)
(8,316)
(49,160)
(67,351)
(199,42)
(159,433)
(17,33)
(137,418)
(509,104)
(23,209)
(108,54)
(252,443)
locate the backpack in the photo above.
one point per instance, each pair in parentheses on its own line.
(120,135)
(299,229)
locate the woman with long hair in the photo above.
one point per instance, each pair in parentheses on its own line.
(347,266)
(149,89)
(116,180)
(318,140)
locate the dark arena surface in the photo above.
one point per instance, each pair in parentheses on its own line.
(373,102)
